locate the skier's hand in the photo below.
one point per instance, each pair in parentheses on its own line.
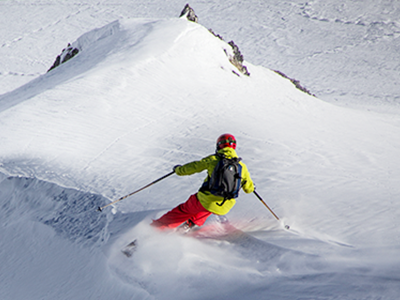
(174,168)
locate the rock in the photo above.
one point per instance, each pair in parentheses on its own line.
(216,35)
(188,12)
(296,83)
(237,59)
(66,54)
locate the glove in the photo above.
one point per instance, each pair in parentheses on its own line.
(174,168)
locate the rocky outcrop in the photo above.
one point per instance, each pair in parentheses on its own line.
(236,59)
(295,82)
(189,13)
(216,35)
(66,54)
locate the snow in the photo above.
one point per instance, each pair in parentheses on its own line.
(148,91)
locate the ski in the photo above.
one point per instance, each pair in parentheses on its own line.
(130,248)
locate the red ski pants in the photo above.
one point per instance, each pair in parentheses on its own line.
(190,210)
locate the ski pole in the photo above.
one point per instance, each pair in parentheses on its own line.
(259,197)
(150,184)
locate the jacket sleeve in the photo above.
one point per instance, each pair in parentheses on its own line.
(195,166)
(247,182)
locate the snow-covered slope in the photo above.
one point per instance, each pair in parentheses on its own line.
(146,94)
(345,52)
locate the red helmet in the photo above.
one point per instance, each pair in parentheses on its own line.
(226,140)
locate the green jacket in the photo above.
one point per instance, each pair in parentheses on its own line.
(208,200)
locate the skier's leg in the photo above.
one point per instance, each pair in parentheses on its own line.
(191,209)
(172,219)
(200,214)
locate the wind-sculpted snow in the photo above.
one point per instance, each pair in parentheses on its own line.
(71,215)
(232,263)
(51,237)
(68,212)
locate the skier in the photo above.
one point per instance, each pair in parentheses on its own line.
(202,204)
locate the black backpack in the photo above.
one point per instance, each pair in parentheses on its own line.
(225,180)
